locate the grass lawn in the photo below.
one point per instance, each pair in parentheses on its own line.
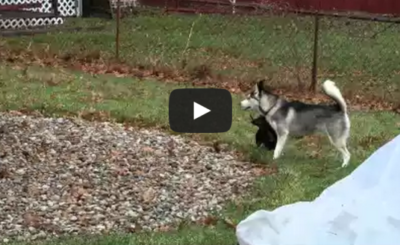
(361,56)
(307,167)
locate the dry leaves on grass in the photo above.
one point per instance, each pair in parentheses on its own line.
(209,221)
(230,223)
(213,221)
(95,115)
(313,141)
(94,64)
(371,140)
(265,170)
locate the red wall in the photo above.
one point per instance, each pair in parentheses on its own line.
(369,6)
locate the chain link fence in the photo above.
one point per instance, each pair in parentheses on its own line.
(361,54)
(235,46)
(227,48)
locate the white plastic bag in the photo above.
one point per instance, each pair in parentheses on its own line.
(362,208)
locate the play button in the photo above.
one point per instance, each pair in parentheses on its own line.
(199,110)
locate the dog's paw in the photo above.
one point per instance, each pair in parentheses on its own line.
(275,157)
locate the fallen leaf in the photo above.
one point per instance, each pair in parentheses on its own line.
(171,152)
(149,195)
(230,223)
(217,147)
(139,173)
(314,154)
(78,193)
(4,173)
(165,228)
(32,220)
(32,190)
(16,113)
(171,144)
(210,221)
(131,228)
(147,149)
(122,172)
(261,171)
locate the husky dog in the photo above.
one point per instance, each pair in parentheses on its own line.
(299,119)
(265,135)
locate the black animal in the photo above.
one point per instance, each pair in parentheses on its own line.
(266,134)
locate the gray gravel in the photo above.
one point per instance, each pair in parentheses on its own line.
(61,176)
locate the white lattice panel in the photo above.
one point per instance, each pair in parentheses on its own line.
(31,22)
(65,8)
(125,3)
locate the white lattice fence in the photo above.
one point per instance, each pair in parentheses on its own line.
(125,3)
(65,8)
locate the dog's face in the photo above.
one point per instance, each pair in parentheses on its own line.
(252,101)
(261,96)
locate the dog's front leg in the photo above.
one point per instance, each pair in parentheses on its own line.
(281,141)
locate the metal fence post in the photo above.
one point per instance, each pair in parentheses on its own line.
(117,29)
(314,71)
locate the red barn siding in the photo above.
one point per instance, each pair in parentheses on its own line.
(157,3)
(370,6)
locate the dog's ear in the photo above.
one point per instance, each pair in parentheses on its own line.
(260,85)
(263,86)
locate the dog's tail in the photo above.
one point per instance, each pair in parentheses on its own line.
(334,93)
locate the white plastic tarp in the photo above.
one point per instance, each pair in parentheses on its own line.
(361,209)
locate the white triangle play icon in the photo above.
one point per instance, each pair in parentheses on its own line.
(199,110)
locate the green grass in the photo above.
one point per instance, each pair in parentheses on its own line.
(306,168)
(361,56)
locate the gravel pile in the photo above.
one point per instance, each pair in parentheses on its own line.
(61,176)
